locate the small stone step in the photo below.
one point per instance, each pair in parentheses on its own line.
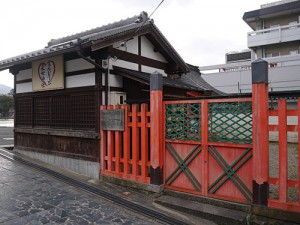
(217,214)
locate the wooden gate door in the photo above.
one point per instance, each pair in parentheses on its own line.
(208,148)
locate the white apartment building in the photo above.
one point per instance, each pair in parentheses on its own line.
(276,39)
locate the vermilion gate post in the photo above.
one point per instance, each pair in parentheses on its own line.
(260,105)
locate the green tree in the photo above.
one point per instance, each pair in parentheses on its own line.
(11,92)
(6,103)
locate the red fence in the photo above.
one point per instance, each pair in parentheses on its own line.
(208,148)
(282,181)
(217,148)
(126,154)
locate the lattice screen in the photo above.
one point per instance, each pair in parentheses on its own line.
(183,122)
(230,122)
(61,112)
(41,112)
(23,113)
(77,112)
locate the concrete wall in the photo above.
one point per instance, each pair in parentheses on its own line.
(86,168)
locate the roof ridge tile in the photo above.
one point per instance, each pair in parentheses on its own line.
(130,20)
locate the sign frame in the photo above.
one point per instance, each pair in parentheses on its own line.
(113,120)
(48,74)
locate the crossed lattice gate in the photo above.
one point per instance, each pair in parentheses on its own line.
(208,147)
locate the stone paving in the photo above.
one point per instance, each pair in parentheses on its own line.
(30,197)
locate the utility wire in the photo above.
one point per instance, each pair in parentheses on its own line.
(138,29)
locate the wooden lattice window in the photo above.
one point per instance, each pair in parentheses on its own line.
(23,112)
(72,112)
(83,111)
(41,112)
(61,112)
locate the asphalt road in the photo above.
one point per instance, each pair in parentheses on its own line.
(6,136)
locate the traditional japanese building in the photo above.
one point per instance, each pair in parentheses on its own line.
(59,89)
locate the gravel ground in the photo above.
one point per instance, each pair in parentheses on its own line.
(292,169)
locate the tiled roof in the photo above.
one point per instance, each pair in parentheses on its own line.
(145,78)
(67,44)
(112,27)
(87,38)
(193,77)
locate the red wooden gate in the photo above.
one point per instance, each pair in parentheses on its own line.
(208,147)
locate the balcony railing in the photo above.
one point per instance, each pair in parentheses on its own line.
(236,77)
(274,35)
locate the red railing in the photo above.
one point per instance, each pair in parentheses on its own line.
(282,181)
(126,154)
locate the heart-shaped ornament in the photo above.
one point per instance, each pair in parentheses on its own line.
(46,72)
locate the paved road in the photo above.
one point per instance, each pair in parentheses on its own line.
(6,136)
(29,197)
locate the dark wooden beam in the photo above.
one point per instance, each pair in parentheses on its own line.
(130,57)
(140,51)
(23,81)
(80,72)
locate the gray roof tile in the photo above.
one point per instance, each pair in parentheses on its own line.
(69,42)
(145,77)
(93,36)
(193,77)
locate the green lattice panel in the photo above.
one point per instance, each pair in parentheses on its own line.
(183,122)
(230,122)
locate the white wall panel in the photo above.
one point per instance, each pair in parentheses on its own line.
(24,74)
(24,87)
(113,80)
(148,51)
(78,64)
(80,80)
(131,46)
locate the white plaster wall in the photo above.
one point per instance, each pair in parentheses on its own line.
(24,87)
(147,51)
(148,69)
(113,80)
(24,74)
(78,64)
(131,46)
(80,80)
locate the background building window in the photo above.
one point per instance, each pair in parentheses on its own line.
(294,52)
(272,54)
(293,23)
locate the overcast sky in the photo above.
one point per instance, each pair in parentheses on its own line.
(201,31)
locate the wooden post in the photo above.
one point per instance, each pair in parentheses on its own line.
(204,127)
(260,105)
(283,151)
(156,130)
(298,112)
